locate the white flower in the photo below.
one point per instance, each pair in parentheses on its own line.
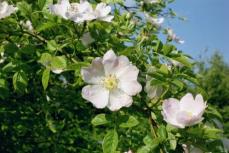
(60,8)
(87,39)
(173,36)
(2,57)
(101,12)
(112,79)
(80,12)
(27,25)
(186,112)
(155,21)
(6,9)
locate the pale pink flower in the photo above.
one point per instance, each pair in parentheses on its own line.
(186,112)
(113,82)
(102,12)
(6,9)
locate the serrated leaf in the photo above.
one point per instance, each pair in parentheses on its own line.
(110,142)
(20,81)
(164,69)
(45,26)
(45,78)
(144,149)
(131,122)
(184,60)
(162,132)
(99,119)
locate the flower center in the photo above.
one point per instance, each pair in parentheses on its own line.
(190,114)
(110,82)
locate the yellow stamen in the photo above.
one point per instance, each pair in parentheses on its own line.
(110,82)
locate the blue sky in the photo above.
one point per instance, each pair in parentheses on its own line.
(207,26)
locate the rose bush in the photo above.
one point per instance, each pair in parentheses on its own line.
(72,74)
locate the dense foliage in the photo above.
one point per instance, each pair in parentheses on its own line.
(215,81)
(41,106)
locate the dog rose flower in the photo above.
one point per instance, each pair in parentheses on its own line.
(186,112)
(113,82)
(80,12)
(6,9)
(102,11)
(60,8)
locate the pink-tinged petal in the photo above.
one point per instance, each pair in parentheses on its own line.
(187,118)
(102,10)
(128,73)
(110,62)
(96,94)
(130,87)
(60,9)
(188,103)
(119,99)
(107,18)
(170,108)
(94,73)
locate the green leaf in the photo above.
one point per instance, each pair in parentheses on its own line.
(110,142)
(58,62)
(144,149)
(4,90)
(164,69)
(213,113)
(20,81)
(178,83)
(158,46)
(173,144)
(99,119)
(45,26)
(51,126)
(46,59)
(52,45)
(184,60)
(168,49)
(45,78)
(131,122)
(205,132)
(41,3)
(25,8)
(162,132)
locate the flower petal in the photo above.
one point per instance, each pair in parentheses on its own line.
(170,108)
(110,62)
(60,8)
(102,10)
(187,119)
(128,73)
(96,94)
(94,73)
(119,99)
(107,18)
(130,87)
(187,103)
